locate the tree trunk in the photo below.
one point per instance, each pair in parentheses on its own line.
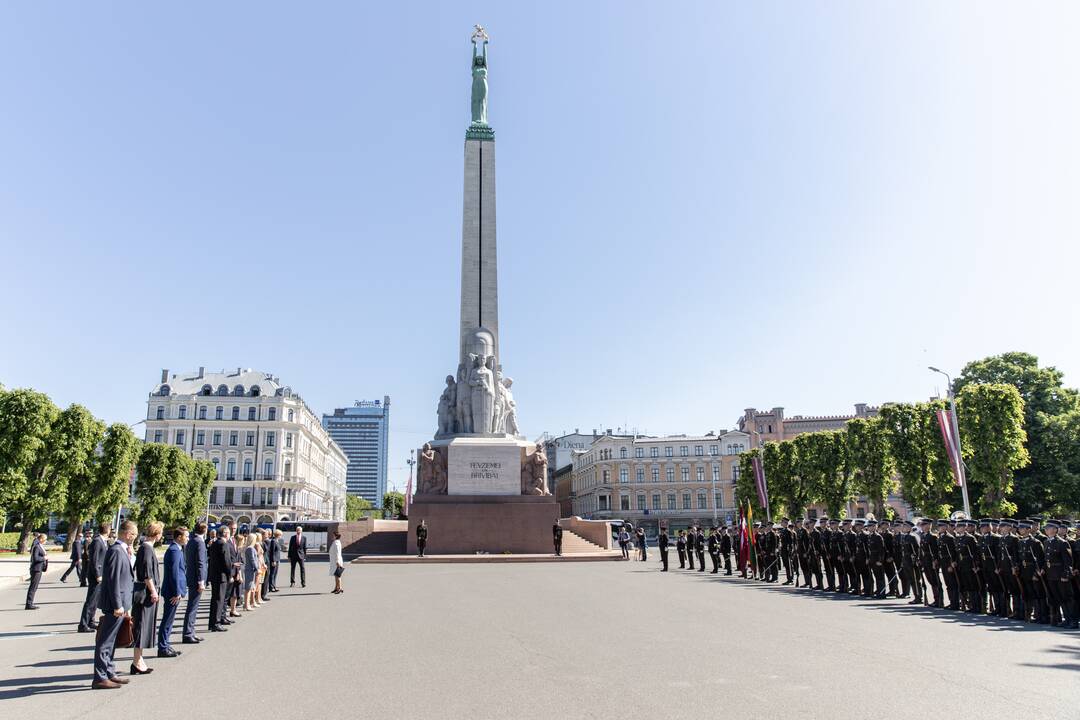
(24,538)
(75,524)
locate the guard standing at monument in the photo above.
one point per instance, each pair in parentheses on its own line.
(699,547)
(680,547)
(691,540)
(725,549)
(662,543)
(714,549)
(421,538)
(556,535)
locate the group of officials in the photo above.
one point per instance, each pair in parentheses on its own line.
(128,585)
(1026,570)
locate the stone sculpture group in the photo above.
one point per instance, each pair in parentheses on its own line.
(478,401)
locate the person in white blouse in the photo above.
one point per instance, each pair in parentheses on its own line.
(337,564)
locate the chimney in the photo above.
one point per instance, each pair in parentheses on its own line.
(165,375)
(202,372)
(239,370)
(608,431)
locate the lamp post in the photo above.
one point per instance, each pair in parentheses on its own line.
(960,470)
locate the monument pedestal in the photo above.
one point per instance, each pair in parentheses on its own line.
(467,524)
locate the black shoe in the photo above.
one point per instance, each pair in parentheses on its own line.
(218,628)
(93,625)
(31,607)
(136,671)
(85,629)
(168,653)
(304,585)
(192,641)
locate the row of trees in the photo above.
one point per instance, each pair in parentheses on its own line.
(69,463)
(1019,429)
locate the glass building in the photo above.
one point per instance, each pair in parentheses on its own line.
(362,432)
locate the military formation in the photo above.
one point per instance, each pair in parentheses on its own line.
(1026,570)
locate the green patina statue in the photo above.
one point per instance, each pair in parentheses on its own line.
(479,77)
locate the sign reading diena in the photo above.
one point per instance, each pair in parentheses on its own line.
(484,470)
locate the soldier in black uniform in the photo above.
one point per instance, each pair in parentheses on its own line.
(1059,567)
(421,538)
(949,559)
(1012,593)
(787,540)
(969,565)
(892,556)
(662,543)
(1074,544)
(714,548)
(680,547)
(875,546)
(929,563)
(907,545)
(725,549)
(556,534)
(772,561)
(837,548)
(817,558)
(691,540)
(802,551)
(699,548)
(989,551)
(1032,573)
(862,557)
(850,543)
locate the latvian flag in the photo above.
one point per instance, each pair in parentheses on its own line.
(948,434)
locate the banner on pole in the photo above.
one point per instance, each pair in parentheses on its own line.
(948,434)
(759,481)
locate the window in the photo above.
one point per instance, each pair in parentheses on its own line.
(222,390)
(624,502)
(656,474)
(641,502)
(247,469)
(622,453)
(669,452)
(684,450)
(684,474)
(219,413)
(235,413)
(157,436)
(255,391)
(206,390)
(714,449)
(200,438)
(164,392)
(641,475)
(770,427)
(160,412)
(290,416)
(656,501)
(699,450)
(624,476)
(268,469)
(670,474)
(217,470)
(202,412)
(701,474)
(217,437)
(719,500)
(238,391)
(654,452)
(735,473)
(716,472)
(269,439)
(604,502)
(228,496)
(251,413)
(180,438)
(183,412)
(245,496)
(233,438)
(671,502)
(702,503)
(288,440)
(607,477)
(230,470)
(250,439)
(639,452)
(686,501)
(271,414)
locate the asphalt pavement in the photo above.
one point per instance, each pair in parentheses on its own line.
(543,640)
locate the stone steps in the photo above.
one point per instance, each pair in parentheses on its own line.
(574,543)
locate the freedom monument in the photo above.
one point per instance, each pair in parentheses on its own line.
(481,487)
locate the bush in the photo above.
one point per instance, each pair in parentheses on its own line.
(8,540)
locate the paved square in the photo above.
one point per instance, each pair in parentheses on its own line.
(588,640)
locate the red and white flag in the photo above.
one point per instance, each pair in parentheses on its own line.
(408,495)
(949,436)
(759,481)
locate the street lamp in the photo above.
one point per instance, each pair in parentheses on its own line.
(960,470)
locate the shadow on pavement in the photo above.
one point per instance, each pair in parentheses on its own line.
(25,687)
(1067,652)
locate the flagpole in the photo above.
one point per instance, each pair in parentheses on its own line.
(955,432)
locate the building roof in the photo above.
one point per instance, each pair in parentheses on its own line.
(192,383)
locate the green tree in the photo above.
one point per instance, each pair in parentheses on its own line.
(163,485)
(871,465)
(201,478)
(836,471)
(919,455)
(27,441)
(992,433)
(1046,484)
(393,504)
(355,507)
(119,453)
(78,436)
(780,474)
(808,480)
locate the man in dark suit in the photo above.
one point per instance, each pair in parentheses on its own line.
(219,572)
(725,549)
(556,536)
(114,600)
(297,556)
(195,567)
(264,591)
(699,548)
(76,560)
(39,563)
(174,588)
(92,571)
(662,542)
(274,559)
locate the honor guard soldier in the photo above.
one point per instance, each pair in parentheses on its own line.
(875,545)
(699,548)
(714,549)
(691,540)
(1032,573)
(725,549)
(929,565)
(817,547)
(989,550)
(556,536)
(1059,567)
(850,542)
(837,546)
(680,547)
(421,538)
(1009,571)
(787,542)
(662,543)
(949,559)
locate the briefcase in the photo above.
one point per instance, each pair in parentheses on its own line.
(125,637)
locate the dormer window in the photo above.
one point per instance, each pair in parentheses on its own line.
(164,391)
(255,391)
(238,391)
(206,390)
(222,390)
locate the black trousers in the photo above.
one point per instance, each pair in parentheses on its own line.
(663,557)
(866,578)
(804,564)
(273,575)
(701,560)
(35,580)
(879,579)
(76,565)
(785,557)
(264,591)
(830,578)
(715,557)
(558,546)
(933,580)
(86,619)
(219,590)
(682,558)
(727,563)
(952,585)
(841,573)
(293,562)
(690,557)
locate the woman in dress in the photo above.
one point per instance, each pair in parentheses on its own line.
(144,606)
(337,564)
(260,575)
(251,569)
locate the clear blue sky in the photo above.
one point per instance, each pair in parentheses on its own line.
(702,206)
